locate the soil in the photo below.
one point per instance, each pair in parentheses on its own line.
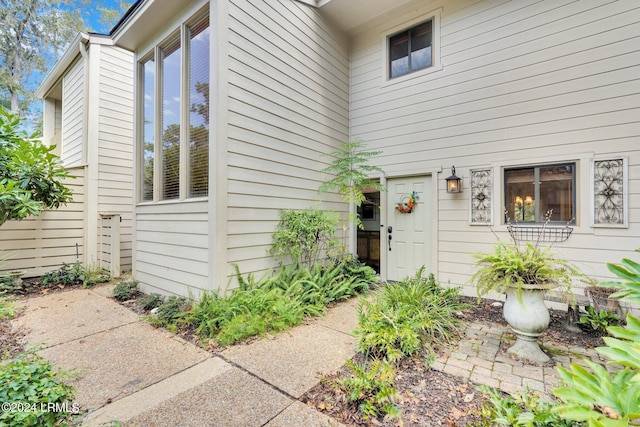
(426,397)
(431,398)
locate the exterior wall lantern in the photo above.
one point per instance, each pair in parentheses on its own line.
(454,184)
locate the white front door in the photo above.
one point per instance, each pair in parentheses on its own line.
(408,243)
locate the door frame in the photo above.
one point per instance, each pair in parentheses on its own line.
(384,218)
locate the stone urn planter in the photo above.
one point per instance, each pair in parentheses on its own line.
(526,313)
(524,272)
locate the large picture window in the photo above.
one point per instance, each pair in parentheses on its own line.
(532,193)
(175,116)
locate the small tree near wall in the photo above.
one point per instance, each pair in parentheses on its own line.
(30,174)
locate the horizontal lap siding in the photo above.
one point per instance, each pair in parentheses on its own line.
(521,82)
(72,114)
(288,108)
(172,248)
(115,184)
(44,243)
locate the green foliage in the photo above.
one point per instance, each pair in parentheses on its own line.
(7,308)
(170,312)
(305,235)
(30,380)
(594,395)
(598,320)
(370,386)
(271,304)
(75,274)
(526,409)
(125,290)
(407,317)
(151,301)
(517,266)
(352,174)
(30,174)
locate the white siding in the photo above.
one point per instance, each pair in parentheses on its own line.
(72,114)
(522,82)
(288,108)
(115,144)
(172,248)
(42,244)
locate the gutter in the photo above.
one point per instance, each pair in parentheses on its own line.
(75,47)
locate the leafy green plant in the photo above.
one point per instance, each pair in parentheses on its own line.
(305,235)
(271,303)
(170,313)
(151,301)
(125,290)
(30,174)
(30,380)
(594,395)
(370,386)
(8,308)
(598,320)
(407,317)
(352,173)
(75,274)
(519,409)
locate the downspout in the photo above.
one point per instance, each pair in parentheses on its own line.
(85,144)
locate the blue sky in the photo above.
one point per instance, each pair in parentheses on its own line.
(92,14)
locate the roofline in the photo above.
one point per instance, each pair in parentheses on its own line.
(126,17)
(62,64)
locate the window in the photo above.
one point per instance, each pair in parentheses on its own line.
(148,125)
(411,50)
(175,116)
(532,192)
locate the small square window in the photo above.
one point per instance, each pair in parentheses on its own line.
(533,192)
(411,50)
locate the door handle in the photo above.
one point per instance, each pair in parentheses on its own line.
(390,241)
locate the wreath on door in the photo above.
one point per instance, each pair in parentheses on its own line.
(407,203)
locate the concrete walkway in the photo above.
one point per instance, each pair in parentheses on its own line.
(130,372)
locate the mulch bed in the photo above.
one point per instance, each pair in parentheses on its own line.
(427,397)
(433,398)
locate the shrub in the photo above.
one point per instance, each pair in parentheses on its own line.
(305,235)
(170,312)
(30,380)
(594,395)
(407,317)
(151,301)
(525,409)
(75,274)
(598,320)
(125,290)
(370,386)
(271,304)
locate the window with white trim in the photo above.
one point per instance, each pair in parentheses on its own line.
(533,192)
(174,137)
(411,50)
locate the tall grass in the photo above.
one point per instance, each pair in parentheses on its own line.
(404,318)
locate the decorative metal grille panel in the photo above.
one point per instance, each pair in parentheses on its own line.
(481,203)
(608,191)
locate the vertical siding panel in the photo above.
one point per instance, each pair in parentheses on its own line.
(288,107)
(115,145)
(73,114)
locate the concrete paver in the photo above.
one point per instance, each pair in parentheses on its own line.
(123,360)
(133,373)
(295,360)
(65,316)
(234,398)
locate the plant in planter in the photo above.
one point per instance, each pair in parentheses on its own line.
(524,272)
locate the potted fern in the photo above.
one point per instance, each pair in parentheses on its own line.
(524,272)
